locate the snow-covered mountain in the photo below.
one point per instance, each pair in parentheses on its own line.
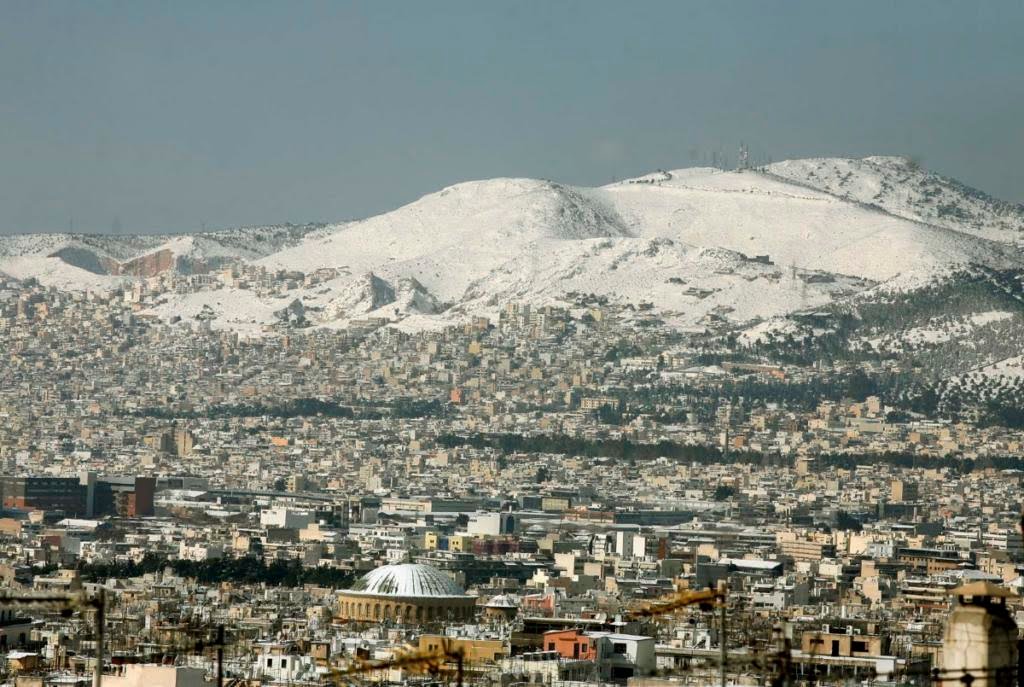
(695,245)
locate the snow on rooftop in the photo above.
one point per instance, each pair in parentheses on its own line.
(408,580)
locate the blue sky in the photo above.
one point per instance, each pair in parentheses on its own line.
(167,116)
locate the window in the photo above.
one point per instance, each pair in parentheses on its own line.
(270,663)
(551,646)
(619,647)
(859,645)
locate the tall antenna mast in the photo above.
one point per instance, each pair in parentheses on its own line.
(744,159)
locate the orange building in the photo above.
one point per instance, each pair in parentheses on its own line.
(570,644)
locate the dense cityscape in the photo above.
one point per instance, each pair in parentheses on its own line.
(557,496)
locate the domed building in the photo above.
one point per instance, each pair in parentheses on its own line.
(407,593)
(501,607)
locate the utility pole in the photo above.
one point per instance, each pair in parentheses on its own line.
(783,659)
(744,159)
(220,655)
(101,601)
(724,650)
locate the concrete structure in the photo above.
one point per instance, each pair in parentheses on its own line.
(87,495)
(828,643)
(128,497)
(45,493)
(474,650)
(14,629)
(280,662)
(980,638)
(501,607)
(571,644)
(623,656)
(286,518)
(493,524)
(147,675)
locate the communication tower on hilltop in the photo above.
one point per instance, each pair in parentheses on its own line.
(744,160)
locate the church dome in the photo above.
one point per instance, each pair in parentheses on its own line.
(408,580)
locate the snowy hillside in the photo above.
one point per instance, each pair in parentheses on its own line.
(449,239)
(795,226)
(956,334)
(685,285)
(902,188)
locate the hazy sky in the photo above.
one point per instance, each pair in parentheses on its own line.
(163,116)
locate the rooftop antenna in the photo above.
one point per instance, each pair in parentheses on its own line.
(744,159)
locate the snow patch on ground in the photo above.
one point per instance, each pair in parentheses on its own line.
(1011,368)
(939,330)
